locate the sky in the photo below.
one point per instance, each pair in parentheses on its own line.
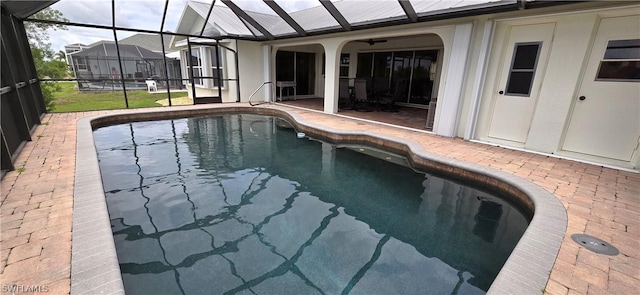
(142,14)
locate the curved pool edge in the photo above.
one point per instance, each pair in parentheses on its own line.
(95,266)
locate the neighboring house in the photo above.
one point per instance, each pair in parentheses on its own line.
(555,77)
(152,43)
(71,48)
(148,41)
(98,63)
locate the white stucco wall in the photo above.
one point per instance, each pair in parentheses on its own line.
(573,37)
(469,66)
(251,70)
(574,34)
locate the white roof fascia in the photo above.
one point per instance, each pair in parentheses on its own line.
(183,43)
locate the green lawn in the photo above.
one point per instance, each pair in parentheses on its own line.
(69,99)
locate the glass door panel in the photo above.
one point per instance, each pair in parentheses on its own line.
(305,73)
(424,72)
(402,63)
(381,71)
(364,65)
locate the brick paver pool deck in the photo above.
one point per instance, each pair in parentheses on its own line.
(37,200)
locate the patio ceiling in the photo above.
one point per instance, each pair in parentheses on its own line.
(268,19)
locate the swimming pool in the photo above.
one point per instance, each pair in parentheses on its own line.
(238,203)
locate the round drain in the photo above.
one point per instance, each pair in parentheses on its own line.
(594,244)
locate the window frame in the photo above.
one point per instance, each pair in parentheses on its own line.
(532,71)
(345,60)
(603,60)
(81,61)
(188,66)
(220,67)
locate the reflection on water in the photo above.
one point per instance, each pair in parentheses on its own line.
(237,204)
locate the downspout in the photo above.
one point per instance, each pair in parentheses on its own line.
(478,84)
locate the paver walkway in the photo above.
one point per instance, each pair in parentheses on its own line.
(36,207)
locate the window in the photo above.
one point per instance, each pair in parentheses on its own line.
(81,64)
(344,65)
(298,67)
(142,70)
(216,66)
(621,61)
(195,63)
(523,68)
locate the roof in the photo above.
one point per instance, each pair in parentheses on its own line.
(317,19)
(108,49)
(148,41)
(228,20)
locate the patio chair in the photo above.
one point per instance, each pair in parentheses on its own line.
(151,85)
(345,101)
(389,100)
(361,96)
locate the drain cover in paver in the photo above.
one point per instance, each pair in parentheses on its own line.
(594,244)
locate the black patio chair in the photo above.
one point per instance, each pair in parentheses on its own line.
(345,101)
(388,101)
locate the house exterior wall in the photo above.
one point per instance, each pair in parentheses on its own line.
(573,39)
(251,67)
(472,49)
(440,35)
(208,89)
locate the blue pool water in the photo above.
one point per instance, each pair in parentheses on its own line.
(239,204)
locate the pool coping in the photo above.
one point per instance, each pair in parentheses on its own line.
(95,268)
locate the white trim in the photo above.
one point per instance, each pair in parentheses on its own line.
(628,8)
(478,84)
(438,47)
(449,102)
(83,63)
(188,64)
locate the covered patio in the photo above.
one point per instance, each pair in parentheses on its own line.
(409,117)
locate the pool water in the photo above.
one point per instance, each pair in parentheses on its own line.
(239,204)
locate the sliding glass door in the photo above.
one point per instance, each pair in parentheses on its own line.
(414,69)
(424,72)
(299,67)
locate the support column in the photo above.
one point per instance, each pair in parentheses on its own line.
(266,72)
(449,103)
(332,49)
(478,83)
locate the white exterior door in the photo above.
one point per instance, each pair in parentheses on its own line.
(523,63)
(606,117)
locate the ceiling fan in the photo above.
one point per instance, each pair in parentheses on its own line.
(371,41)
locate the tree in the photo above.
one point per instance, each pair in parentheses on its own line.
(47,62)
(37,32)
(61,56)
